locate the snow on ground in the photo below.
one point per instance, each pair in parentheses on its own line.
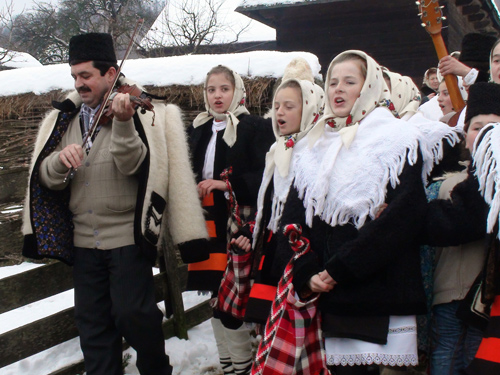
(160,71)
(195,356)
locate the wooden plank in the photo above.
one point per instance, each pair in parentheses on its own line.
(13,183)
(173,290)
(73,369)
(12,239)
(38,336)
(34,285)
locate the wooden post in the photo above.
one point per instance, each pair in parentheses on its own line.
(173,290)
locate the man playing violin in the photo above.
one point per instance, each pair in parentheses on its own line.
(106,220)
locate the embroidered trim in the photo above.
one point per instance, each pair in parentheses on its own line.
(290,140)
(399,330)
(372,358)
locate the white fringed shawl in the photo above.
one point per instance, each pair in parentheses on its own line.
(436,133)
(486,157)
(342,185)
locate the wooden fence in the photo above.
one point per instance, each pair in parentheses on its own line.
(56,277)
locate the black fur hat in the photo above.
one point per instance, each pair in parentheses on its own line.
(91,47)
(476,48)
(484,99)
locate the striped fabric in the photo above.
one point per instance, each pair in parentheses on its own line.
(206,275)
(235,286)
(263,288)
(487,359)
(292,342)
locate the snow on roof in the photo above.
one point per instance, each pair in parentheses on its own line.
(161,71)
(231,20)
(262,3)
(19,60)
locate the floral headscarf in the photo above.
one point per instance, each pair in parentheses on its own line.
(374,93)
(236,108)
(278,159)
(313,99)
(404,93)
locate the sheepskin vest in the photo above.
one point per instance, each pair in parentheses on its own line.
(166,188)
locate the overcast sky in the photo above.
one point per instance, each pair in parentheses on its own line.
(27,4)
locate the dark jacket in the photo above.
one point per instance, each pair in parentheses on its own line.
(377,267)
(247,159)
(459,220)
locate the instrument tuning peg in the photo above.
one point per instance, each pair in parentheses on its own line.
(441,7)
(420,14)
(417,2)
(443,18)
(423,25)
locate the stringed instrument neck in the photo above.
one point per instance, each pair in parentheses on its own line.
(431,14)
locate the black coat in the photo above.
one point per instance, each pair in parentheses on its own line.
(247,156)
(377,267)
(458,220)
(247,159)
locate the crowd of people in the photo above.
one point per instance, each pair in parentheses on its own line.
(353,228)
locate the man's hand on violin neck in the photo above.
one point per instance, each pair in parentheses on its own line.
(122,108)
(72,156)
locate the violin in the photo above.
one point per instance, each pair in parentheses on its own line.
(139,98)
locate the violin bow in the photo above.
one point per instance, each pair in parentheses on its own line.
(98,115)
(431,14)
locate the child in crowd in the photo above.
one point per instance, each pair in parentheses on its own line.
(483,138)
(297,105)
(457,220)
(224,136)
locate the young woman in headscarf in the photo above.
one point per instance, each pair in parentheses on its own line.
(224,136)
(359,196)
(430,84)
(404,94)
(297,106)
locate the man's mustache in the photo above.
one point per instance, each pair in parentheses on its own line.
(83,89)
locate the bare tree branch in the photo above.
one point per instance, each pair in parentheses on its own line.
(188,24)
(45,31)
(6,25)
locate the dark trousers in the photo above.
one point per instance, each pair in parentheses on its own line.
(114,297)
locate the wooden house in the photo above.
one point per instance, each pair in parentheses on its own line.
(388,30)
